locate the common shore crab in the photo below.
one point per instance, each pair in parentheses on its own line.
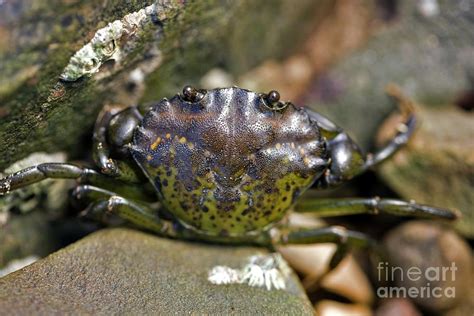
(225,165)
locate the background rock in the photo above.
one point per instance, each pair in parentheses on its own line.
(348,280)
(26,235)
(334,308)
(427,246)
(120,271)
(396,307)
(428,55)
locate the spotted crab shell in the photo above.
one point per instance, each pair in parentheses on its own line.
(228,164)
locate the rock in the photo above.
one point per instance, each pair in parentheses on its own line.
(27,235)
(333,308)
(348,280)
(396,307)
(122,271)
(465,307)
(17,264)
(431,263)
(311,261)
(437,167)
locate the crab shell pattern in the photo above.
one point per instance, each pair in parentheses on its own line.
(228,164)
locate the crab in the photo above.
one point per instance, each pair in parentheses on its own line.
(225,166)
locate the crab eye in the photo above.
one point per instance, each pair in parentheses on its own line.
(272,101)
(191,94)
(273,97)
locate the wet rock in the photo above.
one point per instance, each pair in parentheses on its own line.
(333,308)
(437,167)
(429,263)
(348,280)
(121,271)
(396,307)
(311,261)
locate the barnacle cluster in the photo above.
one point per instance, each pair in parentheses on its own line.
(267,271)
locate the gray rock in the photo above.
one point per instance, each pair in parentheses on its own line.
(425,256)
(128,272)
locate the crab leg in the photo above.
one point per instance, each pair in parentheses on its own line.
(125,121)
(347,159)
(100,147)
(344,238)
(44,171)
(40,172)
(400,139)
(103,202)
(351,206)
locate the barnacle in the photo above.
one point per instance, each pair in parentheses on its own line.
(109,42)
(268,271)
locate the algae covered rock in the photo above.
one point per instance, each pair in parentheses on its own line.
(121,271)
